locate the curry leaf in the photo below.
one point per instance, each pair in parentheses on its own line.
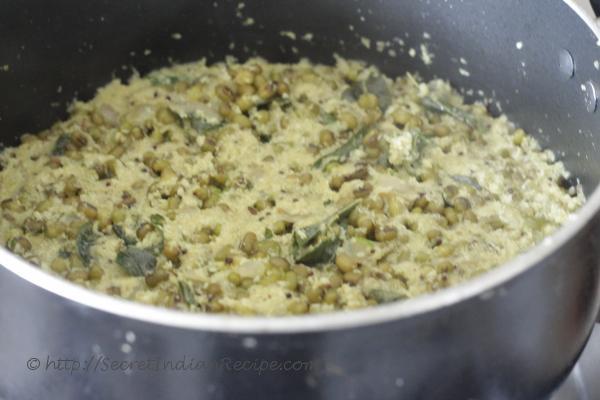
(187,293)
(377,85)
(85,240)
(374,84)
(316,244)
(344,212)
(61,144)
(443,108)
(342,152)
(303,236)
(318,253)
(137,262)
(157,220)
(386,296)
(120,232)
(353,92)
(142,261)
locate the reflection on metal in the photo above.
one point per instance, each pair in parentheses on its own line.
(583,382)
(566,64)
(591,96)
(584,9)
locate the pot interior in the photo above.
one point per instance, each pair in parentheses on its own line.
(496,51)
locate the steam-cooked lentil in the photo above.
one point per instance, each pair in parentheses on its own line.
(276,189)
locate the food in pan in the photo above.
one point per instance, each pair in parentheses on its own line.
(274,189)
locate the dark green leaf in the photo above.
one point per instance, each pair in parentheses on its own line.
(354,91)
(137,262)
(377,85)
(318,253)
(386,296)
(316,244)
(157,220)
(85,240)
(439,107)
(187,293)
(374,84)
(61,144)
(303,236)
(344,213)
(342,152)
(120,232)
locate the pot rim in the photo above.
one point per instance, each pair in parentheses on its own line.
(485,286)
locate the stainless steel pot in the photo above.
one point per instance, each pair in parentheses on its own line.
(512,333)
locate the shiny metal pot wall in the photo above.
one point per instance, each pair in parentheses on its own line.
(509,334)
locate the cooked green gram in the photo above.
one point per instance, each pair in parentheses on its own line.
(273,189)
